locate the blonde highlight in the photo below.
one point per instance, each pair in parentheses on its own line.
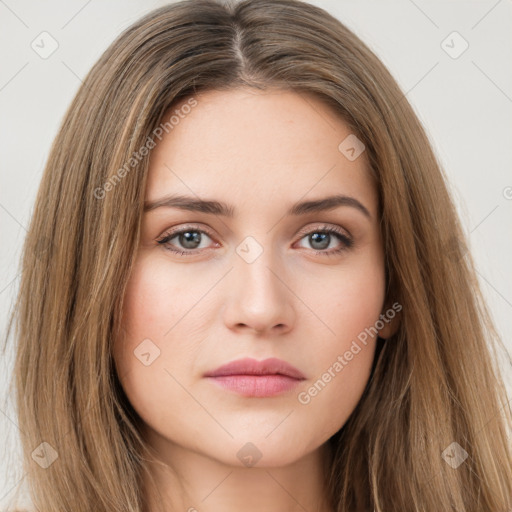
(435,381)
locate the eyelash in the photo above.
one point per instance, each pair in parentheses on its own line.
(347,242)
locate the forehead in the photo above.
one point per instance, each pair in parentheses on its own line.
(249,146)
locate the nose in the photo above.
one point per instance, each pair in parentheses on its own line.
(259,297)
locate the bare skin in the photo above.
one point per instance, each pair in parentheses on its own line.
(298,300)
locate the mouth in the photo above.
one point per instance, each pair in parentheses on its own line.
(252,378)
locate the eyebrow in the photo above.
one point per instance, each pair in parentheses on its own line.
(194,204)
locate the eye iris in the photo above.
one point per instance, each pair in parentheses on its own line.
(320,237)
(190,239)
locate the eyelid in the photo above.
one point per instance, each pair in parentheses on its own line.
(184,227)
(323,226)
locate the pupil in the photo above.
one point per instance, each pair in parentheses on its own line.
(190,239)
(324,237)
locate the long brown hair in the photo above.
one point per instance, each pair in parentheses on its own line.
(436,381)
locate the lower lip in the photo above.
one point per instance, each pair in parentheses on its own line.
(256,385)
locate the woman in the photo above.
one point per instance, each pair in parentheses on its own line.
(187,340)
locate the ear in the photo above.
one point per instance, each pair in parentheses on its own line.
(390,320)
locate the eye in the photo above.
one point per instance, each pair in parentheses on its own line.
(188,238)
(321,238)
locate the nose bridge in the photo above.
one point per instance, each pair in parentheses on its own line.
(256,267)
(259,296)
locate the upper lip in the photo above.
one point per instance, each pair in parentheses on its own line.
(248,366)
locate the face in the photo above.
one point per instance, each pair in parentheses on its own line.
(263,277)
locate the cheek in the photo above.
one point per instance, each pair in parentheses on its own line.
(160,336)
(148,319)
(346,303)
(347,309)
(157,301)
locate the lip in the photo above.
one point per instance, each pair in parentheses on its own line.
(249,366)
(250,377)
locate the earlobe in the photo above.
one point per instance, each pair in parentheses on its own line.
(390,324)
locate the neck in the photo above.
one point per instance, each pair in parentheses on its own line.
(185,480)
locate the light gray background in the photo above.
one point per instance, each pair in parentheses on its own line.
(465,103)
